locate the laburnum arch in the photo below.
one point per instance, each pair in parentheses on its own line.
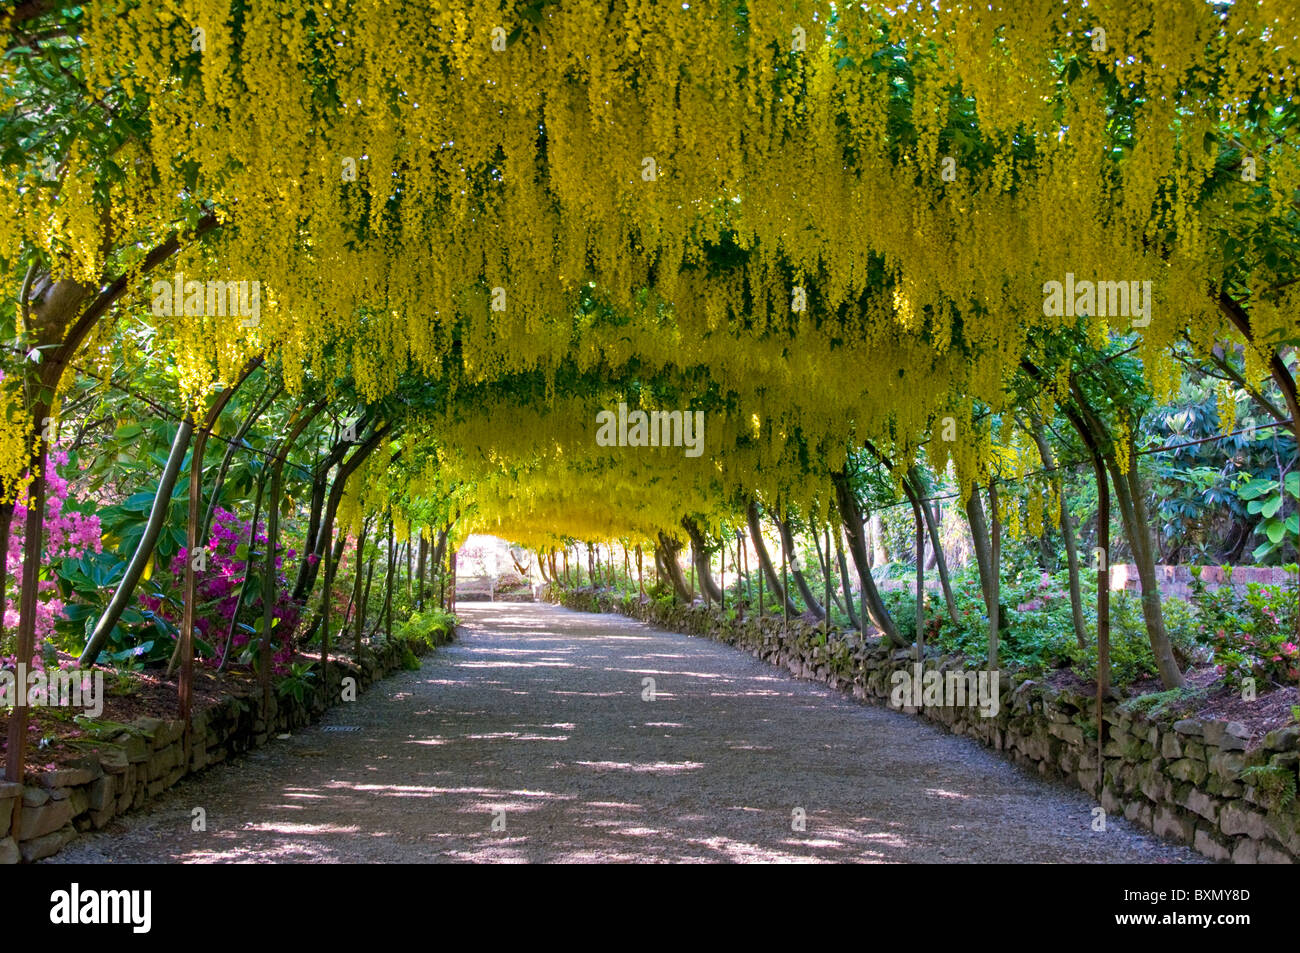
(829,227)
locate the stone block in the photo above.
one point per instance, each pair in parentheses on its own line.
(39,821)
(47,845)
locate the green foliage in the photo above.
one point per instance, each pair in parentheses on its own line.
(430,628)
(1275,784)
(410,661)
(1266,499)
(1251,633)
(296,682)
(1172,704)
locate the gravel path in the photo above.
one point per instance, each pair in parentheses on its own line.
(535,719)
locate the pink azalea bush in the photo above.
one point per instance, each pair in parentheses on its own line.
(67,535)
(217,592)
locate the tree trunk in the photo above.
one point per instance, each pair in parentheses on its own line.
(937,557)
(1039,433)
(363,606)
(6,527)
(873,606)
(306,578)
(667,550)
(700,554)
(257,410)
(1132,505)
(979,531)
(844,576)
(824,560)
(143,550)
(879,553)
(194,541)
(764,558)
(1276,366)
(273,542)
(33,548)
(787,541)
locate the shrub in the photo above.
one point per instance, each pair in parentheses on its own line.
(430,628)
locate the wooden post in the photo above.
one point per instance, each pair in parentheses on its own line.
(453,580)
(742,567)
(826,621)
(995,558)
(785,587)
(388,593)
(920,582)
(722,574)
(327,597)
(356,590)
(1103,610)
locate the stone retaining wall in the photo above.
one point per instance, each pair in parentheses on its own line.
(1175,581)
(1181,779)
(133,766)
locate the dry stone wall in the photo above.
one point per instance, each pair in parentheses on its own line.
(134,765)
(1188,780)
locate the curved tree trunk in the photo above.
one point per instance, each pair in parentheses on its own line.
(306,579)
(700,555)
(144,549)
(1130,496)
(184,651)
(666,552)
(765,559)
(787,540)
(272,544)
(979,531)
(1137,525)
(257,410)
(873,606)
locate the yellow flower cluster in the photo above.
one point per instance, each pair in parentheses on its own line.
(487,183)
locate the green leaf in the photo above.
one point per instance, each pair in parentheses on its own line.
(1253,488)
(138,502)
(1271,506)
(1275,531)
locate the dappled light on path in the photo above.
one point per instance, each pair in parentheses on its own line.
(535,738)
